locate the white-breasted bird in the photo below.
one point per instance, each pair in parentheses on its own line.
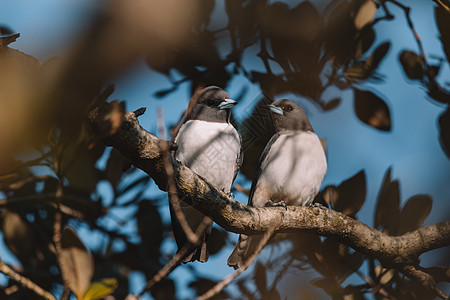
(290,170)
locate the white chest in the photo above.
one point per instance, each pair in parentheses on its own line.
(210,150)
(292,171)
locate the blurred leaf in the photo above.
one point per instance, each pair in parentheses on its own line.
(377,56)
(163,290)
(100,289)
(113,170)
(332,104)
(150,227)
(443,24)
(384,275)
(366,40)
(365,14)
(330,286)
(387,211)
(260,277)
(271,294)
(340,33)
(79,166)
(76,262)
(23,239)
(372,110)
(444,136)
(412,64)
(414,212)
(351,194)
(217,240)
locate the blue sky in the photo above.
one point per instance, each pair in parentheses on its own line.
(48,28)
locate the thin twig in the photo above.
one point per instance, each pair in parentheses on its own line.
(24,281)
(172,264)
(222,284)
(57,241)
(441,4)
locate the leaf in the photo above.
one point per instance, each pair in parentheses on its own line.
(217,240)
(100,289)
(377,56)
(164,289)
(332,104)
(443,24)
(113,171)
(365,14)
(412,64)
(414,213)
(444,128)
(383,275)
(351,194)
(388,202)
(150,227)
(76,262)
(372,110)
(260,277)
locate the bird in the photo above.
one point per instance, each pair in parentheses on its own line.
(209,145)
(290,170)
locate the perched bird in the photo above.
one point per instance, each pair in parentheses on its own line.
(209,145)
(290,170)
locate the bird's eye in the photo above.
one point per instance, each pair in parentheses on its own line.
(287,108)
(210,102)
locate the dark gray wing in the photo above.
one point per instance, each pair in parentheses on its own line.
(258,167)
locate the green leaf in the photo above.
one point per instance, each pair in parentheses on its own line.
(76,262)
(100,289)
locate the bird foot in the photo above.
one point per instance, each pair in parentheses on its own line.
(229,194)
(270,203)
(315,204)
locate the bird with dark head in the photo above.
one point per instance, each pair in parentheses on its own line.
(209,145)
(290,170)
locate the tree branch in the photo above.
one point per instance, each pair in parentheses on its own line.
(25,282)
(146,151)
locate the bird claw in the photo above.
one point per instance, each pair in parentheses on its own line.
(229,194)
(315,204)
(270,203)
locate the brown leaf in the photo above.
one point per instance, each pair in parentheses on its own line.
(388,201)
(217,240)
(414,213)
(113,171)
(351,194)
(377,56)
(372,110)
(365,14)
(76,262)
(412,64)
(332,104)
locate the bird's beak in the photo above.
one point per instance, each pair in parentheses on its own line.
(227,103)
(275,109)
